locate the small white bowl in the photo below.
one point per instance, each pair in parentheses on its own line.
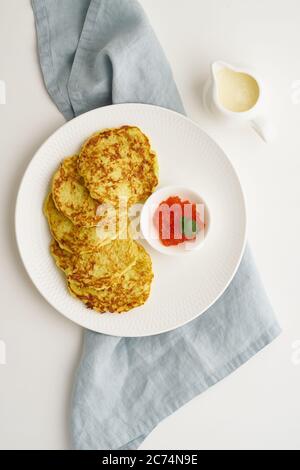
(150,231)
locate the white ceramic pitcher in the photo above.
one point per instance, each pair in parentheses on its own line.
(255,113)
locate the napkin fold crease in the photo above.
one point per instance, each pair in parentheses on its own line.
(94,53)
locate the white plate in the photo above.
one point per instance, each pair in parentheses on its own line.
(183,287)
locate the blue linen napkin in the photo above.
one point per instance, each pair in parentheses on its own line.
(94,53)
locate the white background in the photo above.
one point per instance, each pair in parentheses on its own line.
(258,406)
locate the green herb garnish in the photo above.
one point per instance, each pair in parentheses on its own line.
(189,227)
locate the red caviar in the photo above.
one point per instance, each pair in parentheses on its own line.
(177,221)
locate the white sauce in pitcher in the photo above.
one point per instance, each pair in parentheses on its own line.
(237,91)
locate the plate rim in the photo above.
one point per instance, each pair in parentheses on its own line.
(82,117)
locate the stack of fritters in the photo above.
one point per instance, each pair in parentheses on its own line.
(104,267)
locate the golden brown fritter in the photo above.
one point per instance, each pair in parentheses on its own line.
(99,269)
(71,196)
(119,163)
(73,238)
(131,290)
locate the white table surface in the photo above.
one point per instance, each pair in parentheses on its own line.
(258,406)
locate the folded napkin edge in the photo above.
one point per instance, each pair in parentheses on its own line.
(144,428)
